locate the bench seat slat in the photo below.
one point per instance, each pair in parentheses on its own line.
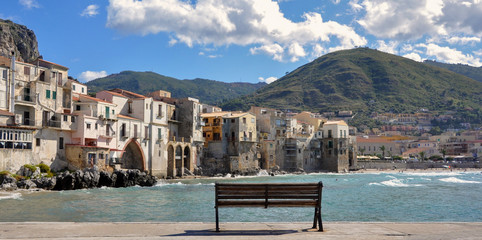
(288,197)
(299,203)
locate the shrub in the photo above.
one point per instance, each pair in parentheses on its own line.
(44,167)
(18,177)
(5,173)
(30,167)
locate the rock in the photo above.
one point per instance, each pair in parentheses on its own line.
(187,172)
(46,183)
(105,180)
(65,181)
(9,186)
(27,172)
(122,179)
(18,38)
(198,171)
(26,184)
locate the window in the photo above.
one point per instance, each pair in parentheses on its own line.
(146,132)
(96,126)
(42,76)
(244,120)
(107,129)
(54,95)
(129,105)
(88,125)
(341,133)
(252,120)
(77,107)
(53,75)
(82,90)
(123,130)
(72,119)
(159,113)
(135,131)
(5,74)
(329,134)
(26,70)
(73,87)
(233,120)
(37,142)
(147,106)
(61,143)
(47,93)
(330,144)
(159,133)
(65,118)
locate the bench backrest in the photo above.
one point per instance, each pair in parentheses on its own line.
(268,194)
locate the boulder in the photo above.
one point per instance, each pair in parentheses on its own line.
(187,172)
(26,184)
(27,172)
(122,179)
(46,183)
(105,179)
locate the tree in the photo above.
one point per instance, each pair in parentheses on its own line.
(443,151)
(422,156)
(362,150)
(382,148)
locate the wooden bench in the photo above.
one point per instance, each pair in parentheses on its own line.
(270,195)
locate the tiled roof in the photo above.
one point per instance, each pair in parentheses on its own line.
(128,94)
(215,114)
(52,63)
(341,122)
(94,99)
(6,113)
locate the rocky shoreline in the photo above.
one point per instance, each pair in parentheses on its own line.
(80,179)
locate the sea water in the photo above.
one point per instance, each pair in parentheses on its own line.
(375,197)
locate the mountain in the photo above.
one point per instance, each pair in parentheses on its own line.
(207,91)
(466,70)
(19,39)
(367,80)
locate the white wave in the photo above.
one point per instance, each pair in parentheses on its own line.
(11,196)
(456,180)
(262,172)
(395,183)
(431,174)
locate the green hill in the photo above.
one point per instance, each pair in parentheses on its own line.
(207,91)
(365,81)
(466,70)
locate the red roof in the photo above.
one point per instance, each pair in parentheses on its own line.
(128,93)
(94,99)
(127,117)
(6,113)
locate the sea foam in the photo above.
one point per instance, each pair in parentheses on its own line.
(395,183)
(456,180)
(11,196)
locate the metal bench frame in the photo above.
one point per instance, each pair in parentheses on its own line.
(270,195)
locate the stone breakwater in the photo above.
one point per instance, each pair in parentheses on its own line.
(80,179)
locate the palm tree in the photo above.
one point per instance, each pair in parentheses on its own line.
(382,148)
(422,156)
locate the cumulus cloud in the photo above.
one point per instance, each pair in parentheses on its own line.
(413,56)
(91,75)
(29,3)
(90,11)
(463,40)
(478,53)
(412,19)
(258,24)
(387,47)
(449,55)
(267,80)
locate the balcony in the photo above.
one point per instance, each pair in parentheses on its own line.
(26,98)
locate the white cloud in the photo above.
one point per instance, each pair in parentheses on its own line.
(478,53)
(29,3)
(413,56)
(449,55)
(413,19)
(387,47)
(90,11)
(91,75)
(258,24)
(463,40)
(267,80)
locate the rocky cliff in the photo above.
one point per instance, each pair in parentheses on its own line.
(18,38)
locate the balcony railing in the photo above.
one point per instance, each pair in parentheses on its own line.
(30,98)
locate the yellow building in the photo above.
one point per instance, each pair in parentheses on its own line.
(213,126)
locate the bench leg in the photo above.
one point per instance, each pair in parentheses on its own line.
(217,220)
(320,224)
(315,218)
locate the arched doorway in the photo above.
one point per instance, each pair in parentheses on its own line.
(179,161)
(170,161)
(133,157)
(187,158)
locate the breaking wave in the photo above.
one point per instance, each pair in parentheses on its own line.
(395,183)
(11,196)
(456,180)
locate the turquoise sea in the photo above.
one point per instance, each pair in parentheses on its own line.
(380,197)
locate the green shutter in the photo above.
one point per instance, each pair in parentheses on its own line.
(48,94)
(54,95)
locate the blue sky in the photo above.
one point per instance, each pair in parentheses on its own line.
(242,40)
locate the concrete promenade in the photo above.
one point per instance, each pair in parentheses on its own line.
(251,230)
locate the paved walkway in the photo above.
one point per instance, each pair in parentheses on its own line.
(200,231)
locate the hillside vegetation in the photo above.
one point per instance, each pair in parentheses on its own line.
(207,91)
(365,81)
(466,70)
